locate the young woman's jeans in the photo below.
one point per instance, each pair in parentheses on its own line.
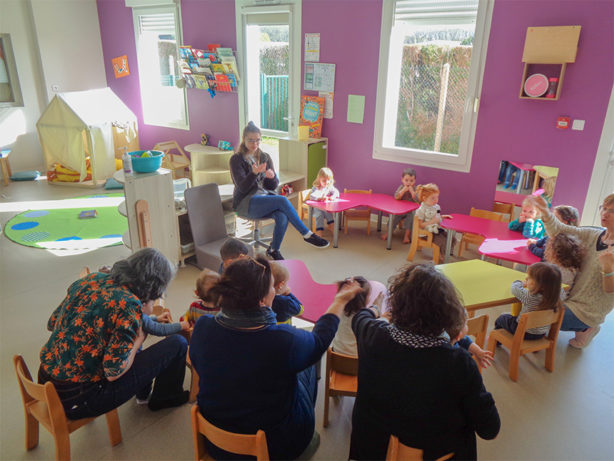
(281,210)
(163,361)
(571,322)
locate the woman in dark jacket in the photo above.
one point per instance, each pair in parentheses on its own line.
(412,383)
(254,195)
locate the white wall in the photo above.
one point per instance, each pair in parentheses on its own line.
(55,43)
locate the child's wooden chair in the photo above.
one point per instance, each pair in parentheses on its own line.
(341,378)
(42,405)
(241,444)
(504,208)
(475,238)
(303,208)
(399,452)
(359,213)
(174,161)
(477,327)
(518,346)
(421,238)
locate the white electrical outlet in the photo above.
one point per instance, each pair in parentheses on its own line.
(55,88)
(577,125)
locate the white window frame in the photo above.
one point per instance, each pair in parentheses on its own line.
(293,8)
(387,92)
(159,6)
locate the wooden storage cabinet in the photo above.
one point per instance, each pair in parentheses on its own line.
(299,163)
(209,165)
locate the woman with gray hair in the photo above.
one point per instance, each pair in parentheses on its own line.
(91,356)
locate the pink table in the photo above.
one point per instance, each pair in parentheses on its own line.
(500,243)
(509,197)
(315,297)
(380,202)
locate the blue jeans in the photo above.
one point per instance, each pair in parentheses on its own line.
(571,322)
(164,361)
(508,176)
(281,210)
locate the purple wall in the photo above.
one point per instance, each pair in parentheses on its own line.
(508,128)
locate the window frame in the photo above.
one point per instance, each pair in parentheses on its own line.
(462,161)
(294,10)
(175,9)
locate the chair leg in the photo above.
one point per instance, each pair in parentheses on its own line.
(460,247)
(200,451)
(369,225)
(514,362)
(550,356)
(492,345)
(115,431)
(436,251)
(193,385)
(62,445)
(326,402)
(345,224)
(31,431)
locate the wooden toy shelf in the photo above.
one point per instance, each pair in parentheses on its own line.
(556,45)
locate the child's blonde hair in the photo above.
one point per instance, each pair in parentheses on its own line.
(206,279)
(280,273)
(327,173)
(529,201)
(424,190)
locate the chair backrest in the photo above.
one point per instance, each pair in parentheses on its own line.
(505,208)
(399,452)
(41,400)
(486,214)
(342,363)
(538,319)
(168,146)
(477,328)
(206,213)
(358,191)
(241,444)
(417,231)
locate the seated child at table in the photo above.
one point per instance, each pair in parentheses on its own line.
(484,358)
(323,190)
(285,305)
(405,191)
(541,290)
(429,212)
(567,215)
(529,222)
(206,303)
(567,252)
(231,250)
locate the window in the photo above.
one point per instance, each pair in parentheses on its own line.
(431,64)
(158,33)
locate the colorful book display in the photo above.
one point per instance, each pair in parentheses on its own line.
(214,69)
(312,113)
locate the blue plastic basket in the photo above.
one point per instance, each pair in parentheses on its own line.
(146,164)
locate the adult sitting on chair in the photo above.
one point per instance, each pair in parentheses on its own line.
(434,398)
(91,356)
(255,374)
(254,194)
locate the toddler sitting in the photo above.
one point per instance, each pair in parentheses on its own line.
(206,303)
(285,304)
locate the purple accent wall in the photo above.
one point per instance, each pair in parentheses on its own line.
(508,128)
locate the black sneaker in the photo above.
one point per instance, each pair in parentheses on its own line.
(317,241)
(274,254)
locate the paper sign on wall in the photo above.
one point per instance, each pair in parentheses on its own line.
(328,103)
(312,47)
(356,108)
(120,66)
(319,76)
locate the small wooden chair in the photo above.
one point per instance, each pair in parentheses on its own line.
(504,208)
(241,444)
(399,452)
(42,405)
(174,161)
(341,378)
(303,208)
(475,238)
(359,213)
(477,328)
(421,238)
(518,346)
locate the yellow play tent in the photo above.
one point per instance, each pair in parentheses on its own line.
(83,132)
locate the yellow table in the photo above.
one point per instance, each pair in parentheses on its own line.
(483,284)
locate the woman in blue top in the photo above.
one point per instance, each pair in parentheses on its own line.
(255,374)
(254,195)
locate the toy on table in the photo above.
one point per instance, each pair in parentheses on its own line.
(224,145)
(204,139)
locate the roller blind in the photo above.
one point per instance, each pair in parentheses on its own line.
(162,23)
(421,10)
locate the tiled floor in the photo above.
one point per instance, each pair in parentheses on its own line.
(564,415)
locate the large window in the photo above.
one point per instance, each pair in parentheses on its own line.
(158,33)
(431,63)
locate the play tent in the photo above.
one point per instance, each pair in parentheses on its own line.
(84,131)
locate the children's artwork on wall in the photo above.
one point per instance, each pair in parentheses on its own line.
(312,113)
(120,66)
(328,102)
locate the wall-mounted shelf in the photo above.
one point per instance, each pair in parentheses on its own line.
(556,46)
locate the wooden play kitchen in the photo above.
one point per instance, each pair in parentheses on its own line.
(544,47)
